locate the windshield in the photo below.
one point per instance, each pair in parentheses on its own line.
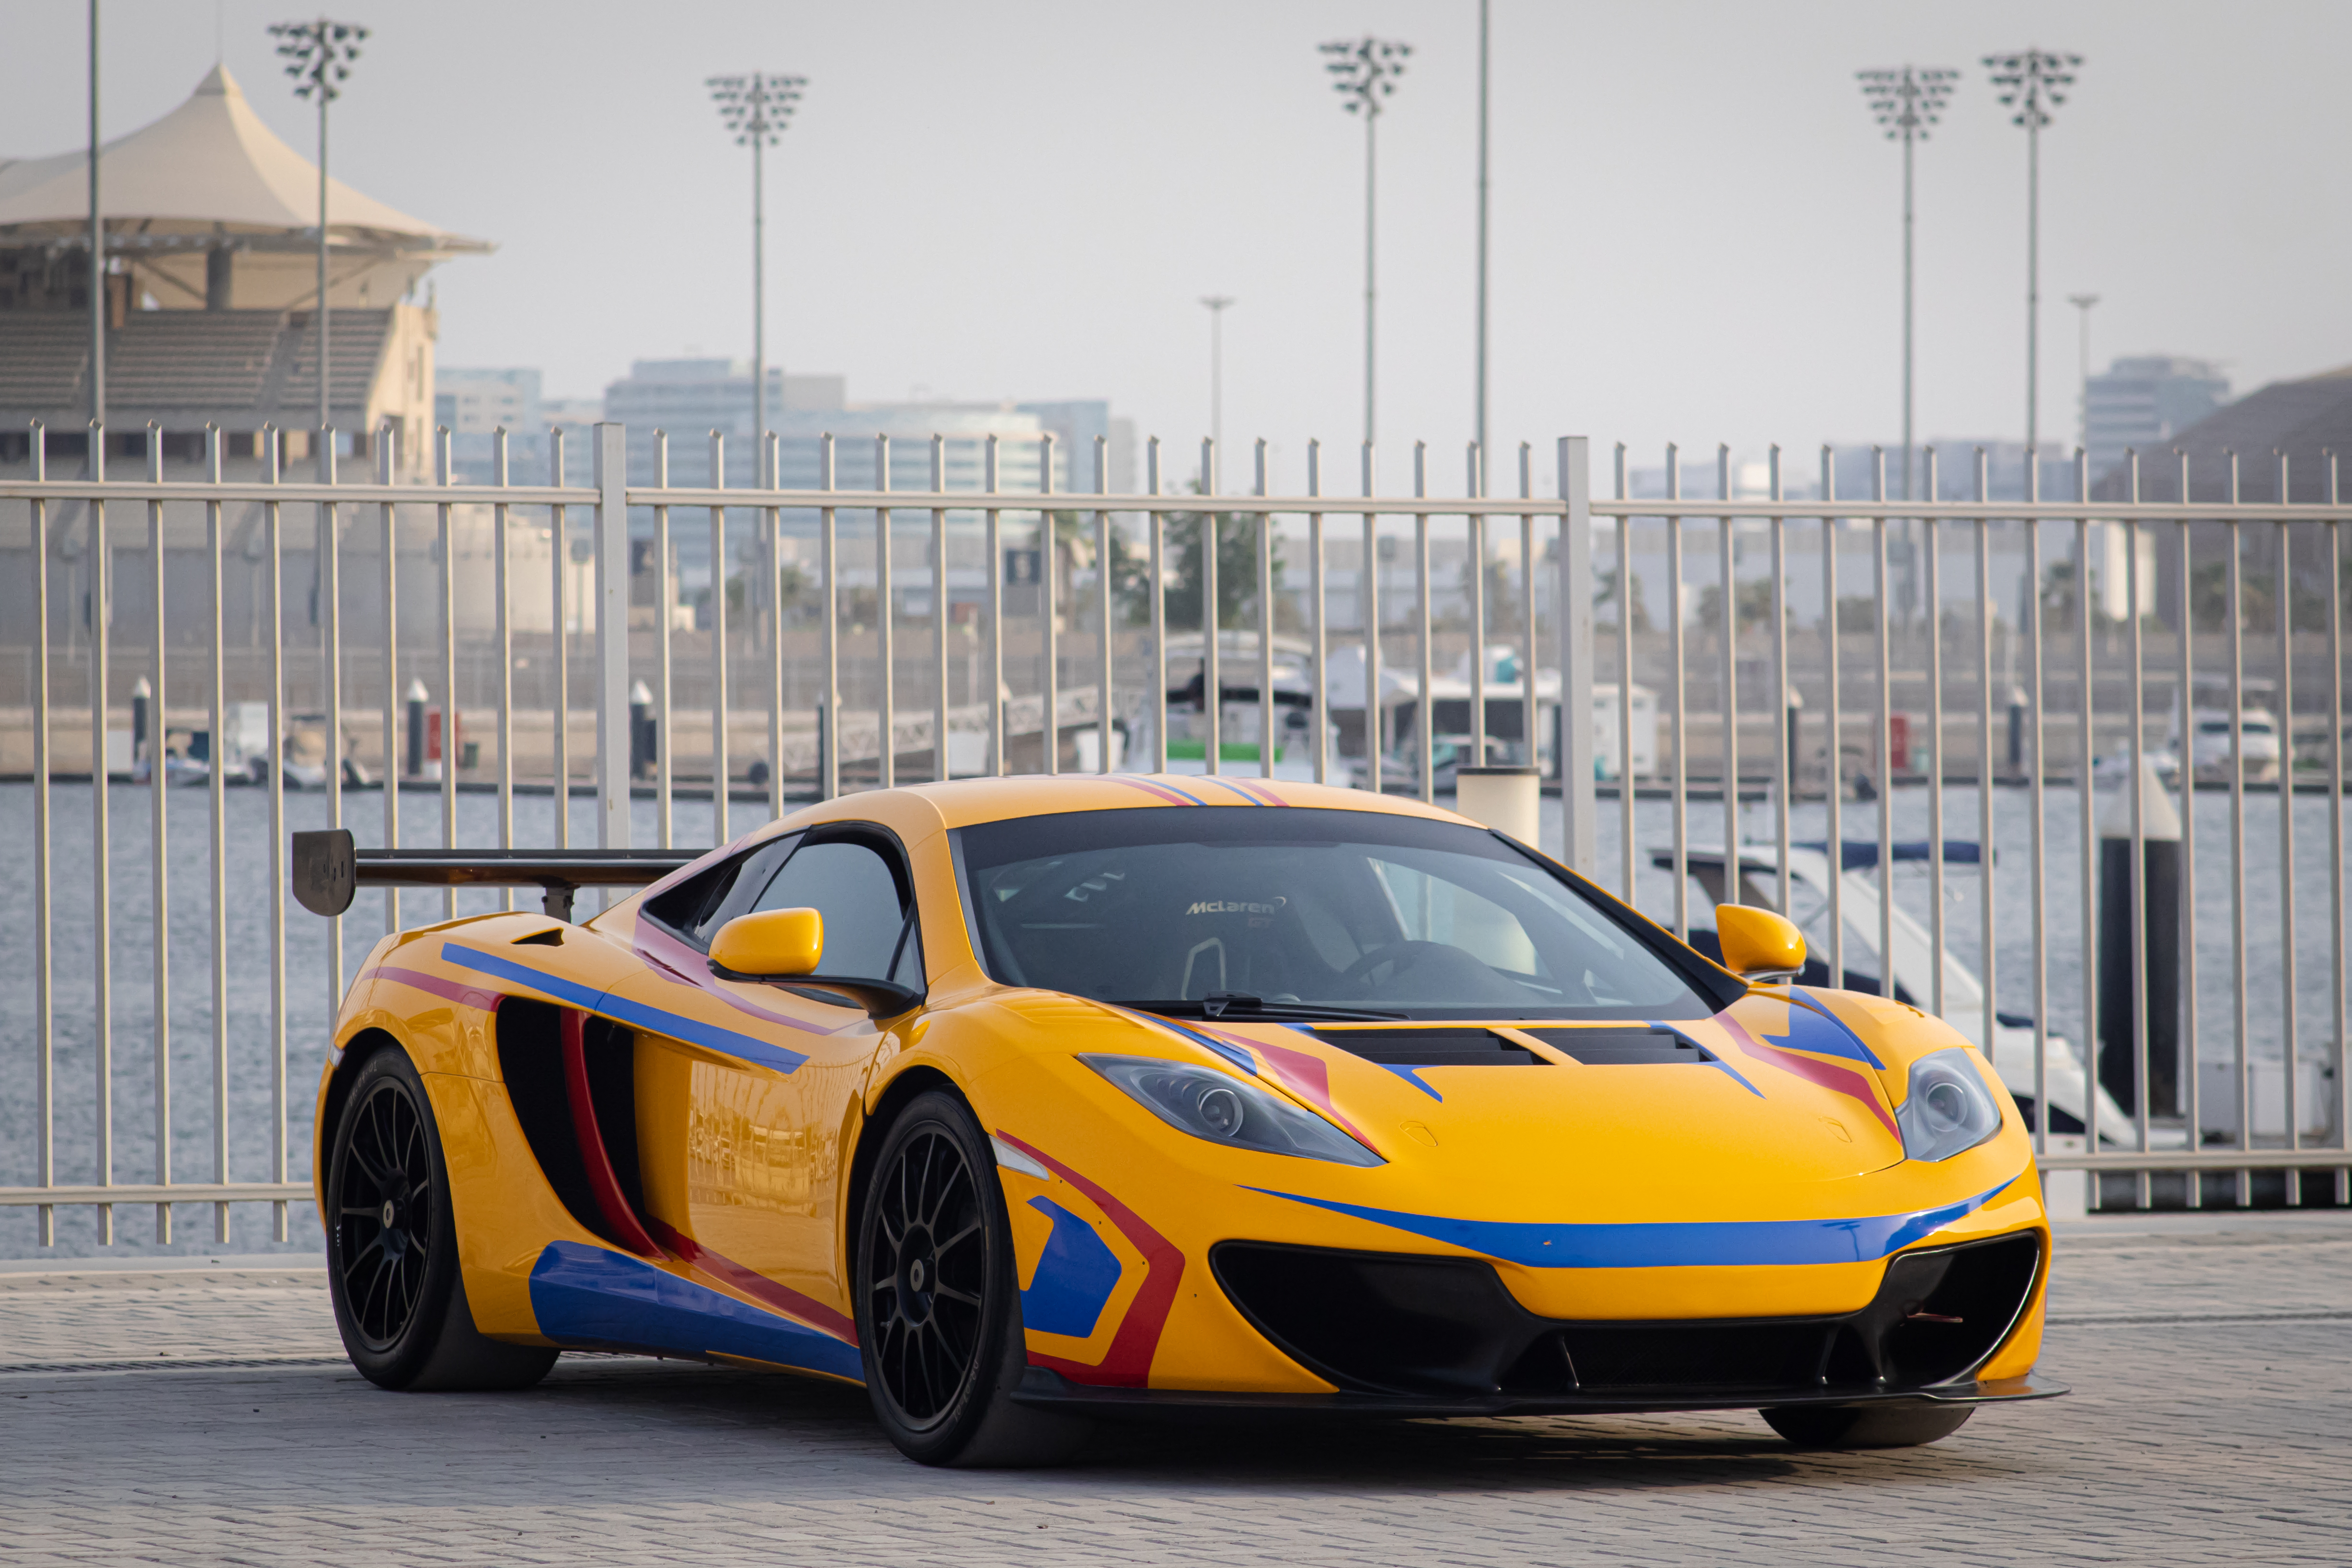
(1234,910)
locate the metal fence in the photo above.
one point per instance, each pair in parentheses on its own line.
(1554,653)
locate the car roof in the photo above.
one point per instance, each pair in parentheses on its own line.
(966,801)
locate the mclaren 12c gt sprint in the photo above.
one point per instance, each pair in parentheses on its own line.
(1031,1103)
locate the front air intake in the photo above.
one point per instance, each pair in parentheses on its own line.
(1406,1323)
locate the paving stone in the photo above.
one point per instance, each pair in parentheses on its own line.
(2213,1423)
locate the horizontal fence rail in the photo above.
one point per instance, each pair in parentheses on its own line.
(2068,773)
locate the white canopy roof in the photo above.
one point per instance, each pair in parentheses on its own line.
(208,170)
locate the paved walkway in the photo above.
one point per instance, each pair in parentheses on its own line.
(2213,1423)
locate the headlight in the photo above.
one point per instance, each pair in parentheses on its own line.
(1949,1111)
(1225,1110)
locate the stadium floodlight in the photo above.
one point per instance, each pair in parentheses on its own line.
(1364,72)
(318,56)
(1906,101)
(1217,304)
(2032,82)
(755,108)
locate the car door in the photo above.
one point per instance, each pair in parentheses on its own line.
(743,1107)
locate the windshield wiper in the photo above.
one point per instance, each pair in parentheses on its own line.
(1242,1005)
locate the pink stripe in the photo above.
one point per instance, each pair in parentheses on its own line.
(1158,791)
(1236,788)
(1304,1073)
(457,991)
(1257,789)
(1837,1079)
(680,964)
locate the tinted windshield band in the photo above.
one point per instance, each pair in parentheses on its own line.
(1315,907)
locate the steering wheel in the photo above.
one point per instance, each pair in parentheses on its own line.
(1405,955)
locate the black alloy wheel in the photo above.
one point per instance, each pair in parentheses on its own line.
(392,1245)
(387,1208)
(926,1272)
(938,1298)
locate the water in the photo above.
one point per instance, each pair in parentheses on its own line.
(311,991)
(2063,1006)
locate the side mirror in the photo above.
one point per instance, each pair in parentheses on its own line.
(1759,945)
(786,945)
(771,944)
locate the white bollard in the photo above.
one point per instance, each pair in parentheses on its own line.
(1508,799)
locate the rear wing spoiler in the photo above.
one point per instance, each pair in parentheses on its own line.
(329,869)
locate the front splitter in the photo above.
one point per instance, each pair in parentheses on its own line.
(1042,1388)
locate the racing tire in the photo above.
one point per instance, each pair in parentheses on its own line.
(391,1246)
(937,1300)
(1867,1426)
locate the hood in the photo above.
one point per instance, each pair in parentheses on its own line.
(1734,1115)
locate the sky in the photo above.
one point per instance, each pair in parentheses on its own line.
(1695,226)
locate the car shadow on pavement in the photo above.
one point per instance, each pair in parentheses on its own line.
(1619,1451)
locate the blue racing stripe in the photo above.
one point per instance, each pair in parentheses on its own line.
(585,1296)
(1815,1028)
(1710,1058)
(1160,780)
(1699,1244)
(588,999)
(1233,1054)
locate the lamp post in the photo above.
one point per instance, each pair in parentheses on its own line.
(1478,421)
(757,107)
(1364,70)
(96,257)
(2033,83)
(1906,100)
(1216,304)
(2083,302)
(318,56)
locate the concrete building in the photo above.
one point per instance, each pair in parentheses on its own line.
(475,404)
(211,292)
(2307,424)
(2142,402)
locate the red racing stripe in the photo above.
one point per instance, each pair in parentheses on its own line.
(1838,1079)
(769,1292)
(1304,1074)
(1128,1362)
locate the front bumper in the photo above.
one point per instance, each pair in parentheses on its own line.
(1404,1334)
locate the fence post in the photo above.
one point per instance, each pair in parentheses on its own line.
(611,553)
(1579,805)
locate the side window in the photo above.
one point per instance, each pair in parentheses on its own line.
(853,887)
(698,907)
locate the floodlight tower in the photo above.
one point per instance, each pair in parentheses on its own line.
(2032,82)
(1906,101)
(1217,304)
(756,108)
(2083,303)
(318,56)
(1364,70)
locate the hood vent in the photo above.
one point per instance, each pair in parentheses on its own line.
(1431,1047)
(1623,1046)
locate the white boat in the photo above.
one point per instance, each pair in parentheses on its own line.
(2011,1049)
(2213,749)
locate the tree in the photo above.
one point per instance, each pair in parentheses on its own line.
(1604,592)
(1075,547)
(1236,569)
(1753,605)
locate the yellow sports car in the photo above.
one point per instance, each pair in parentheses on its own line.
(1028,1102)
